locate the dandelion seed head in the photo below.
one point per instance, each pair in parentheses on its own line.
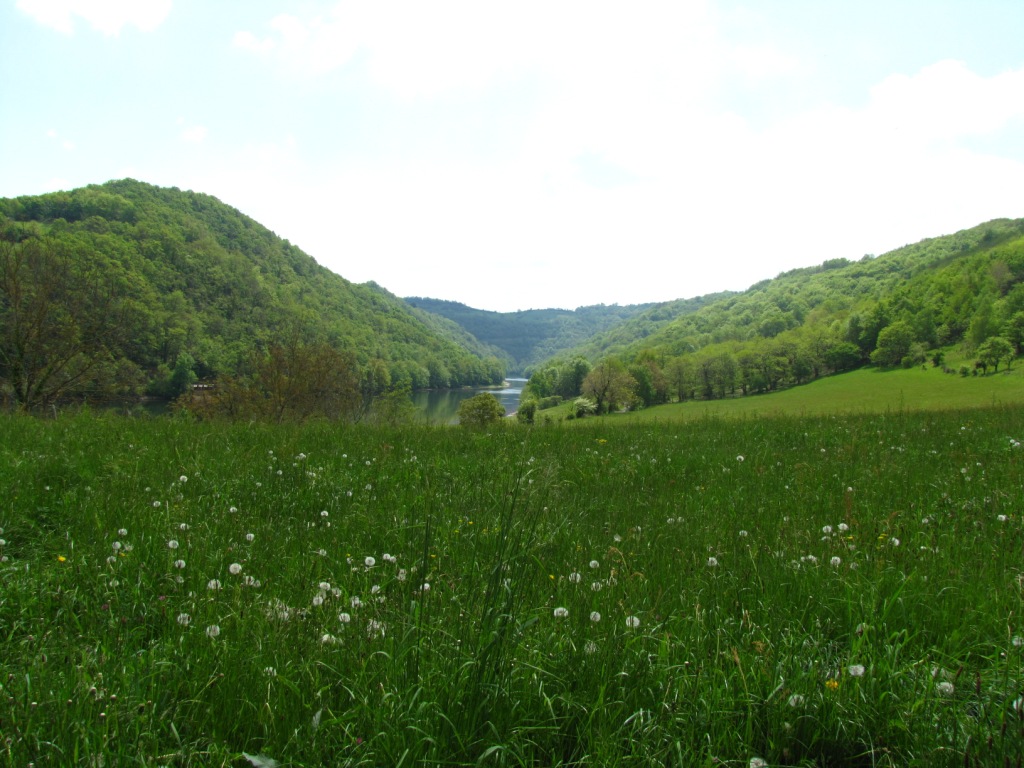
(250,537)
(179,564)
(213,584)
(575,577)
(712,562)
(235,568)
(594,565)
(212,631)
(369,562)
(595,616)
(945,688)
(632,622)
(184,619)
(796,700)
(856,670)
(344,618)
(561,613)
(122,531)
(836,561)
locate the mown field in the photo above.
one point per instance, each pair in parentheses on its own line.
(829,591)
(863,391)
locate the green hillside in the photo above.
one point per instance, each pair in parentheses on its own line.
(531,336)
(959,296)
(146,288)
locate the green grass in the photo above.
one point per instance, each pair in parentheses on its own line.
(864,391)
(744,571)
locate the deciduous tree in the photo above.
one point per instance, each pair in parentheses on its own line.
(62,318)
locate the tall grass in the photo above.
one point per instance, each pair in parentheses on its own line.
(799,591)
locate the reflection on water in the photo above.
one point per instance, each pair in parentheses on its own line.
(442,406)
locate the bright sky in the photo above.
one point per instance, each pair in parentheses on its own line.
(537,153)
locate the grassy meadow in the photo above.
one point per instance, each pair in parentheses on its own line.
(863,391)
(799,590)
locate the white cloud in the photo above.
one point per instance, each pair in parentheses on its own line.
(421,49)
(106,16)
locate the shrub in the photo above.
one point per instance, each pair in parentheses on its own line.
(480,411)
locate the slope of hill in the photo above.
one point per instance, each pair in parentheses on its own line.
(531,336)
(200,286)
(963,291)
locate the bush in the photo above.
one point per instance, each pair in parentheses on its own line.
(480,411)
(527,411)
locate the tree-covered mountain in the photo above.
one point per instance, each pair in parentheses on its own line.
(531,336)
(131,287)
(963,291)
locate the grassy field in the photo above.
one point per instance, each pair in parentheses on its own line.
(867,390)
(828,591)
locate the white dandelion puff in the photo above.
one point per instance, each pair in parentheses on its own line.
(561,613)
(212,631)
(632,622)
(234,569)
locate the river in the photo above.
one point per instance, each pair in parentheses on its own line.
(442,405)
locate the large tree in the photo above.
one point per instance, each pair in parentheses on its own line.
(63,317)
(610,385)
(994,350)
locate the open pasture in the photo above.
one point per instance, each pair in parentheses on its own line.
(789,591)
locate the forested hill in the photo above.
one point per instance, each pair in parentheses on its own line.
(532,336)
(962,292)
(198,289)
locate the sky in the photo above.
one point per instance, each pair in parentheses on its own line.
(528,154)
